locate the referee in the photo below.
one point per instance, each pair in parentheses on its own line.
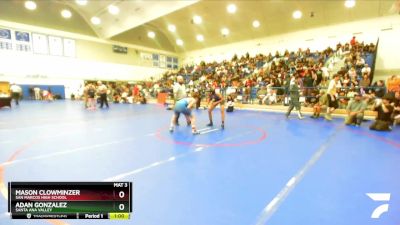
(16,93)
(294,93)
(102,89)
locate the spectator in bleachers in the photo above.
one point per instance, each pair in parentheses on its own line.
(141,98)
(230,104)
(116,97)
(371,48)
(353,41)
(246,94)
(353,73)
(135,92)
(346,48)
(324,83)
(37,93)
(355,111)
(346,80)
(45,94)
(317,75)
(155,90)
(370,99)
(383,120)
(31,93)
(342,99)
(308,84)
(365,81)
(261,93)
(360,62)
(124,96)
(396,105)
(351,93)
(366,70)
(312,99)
(270,98)
(379,89)
(322,102)
(49,96)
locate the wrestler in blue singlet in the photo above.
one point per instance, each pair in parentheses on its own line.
(181,107)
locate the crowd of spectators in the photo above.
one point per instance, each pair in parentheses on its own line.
(264,79)
(104,92)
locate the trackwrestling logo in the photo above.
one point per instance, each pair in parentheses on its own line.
(379,197)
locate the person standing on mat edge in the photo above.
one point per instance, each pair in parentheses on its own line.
(355,111)
(91,100)
(103,94)
(332,97)
(294,93)
(85,95)
(185,106)
(15,92)
(214,100)
(179,94)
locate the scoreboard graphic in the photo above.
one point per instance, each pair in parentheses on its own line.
(70,200)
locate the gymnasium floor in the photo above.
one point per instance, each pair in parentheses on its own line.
(262,169)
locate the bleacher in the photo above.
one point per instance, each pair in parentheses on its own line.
(237,71)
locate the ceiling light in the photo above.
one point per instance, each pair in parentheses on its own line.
(200,37)
(31,5)
(197,19)
(171,28)
(179,42)
(66,13)
(151,34)
(231,8)
(81,2)
(256,23)
(224,31)
(350,3)
(95,20)
(112,9)
(297,14)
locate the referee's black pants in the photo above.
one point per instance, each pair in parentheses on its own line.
(103,99)
(16,96)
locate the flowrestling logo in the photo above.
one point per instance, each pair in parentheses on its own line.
(379,197)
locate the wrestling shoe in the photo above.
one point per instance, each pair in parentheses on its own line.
(194,131)
(328,117)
